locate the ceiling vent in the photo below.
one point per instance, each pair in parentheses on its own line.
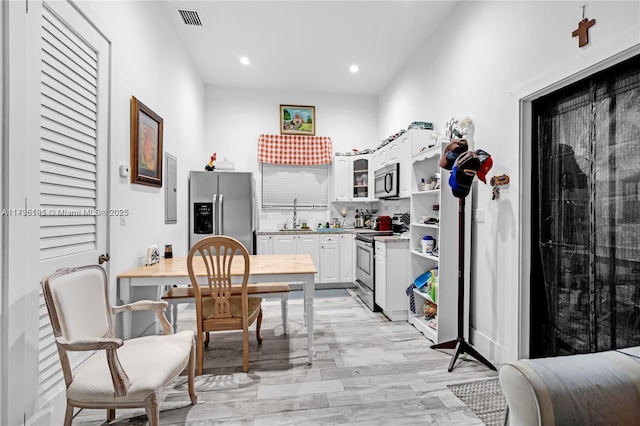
(190,17)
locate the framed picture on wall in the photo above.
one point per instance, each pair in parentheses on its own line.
(146,145)
(297,120)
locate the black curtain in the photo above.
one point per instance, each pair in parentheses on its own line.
(585,281)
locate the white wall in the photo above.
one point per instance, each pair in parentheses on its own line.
(236,117)
(3,60)
(482,60)
(148,62)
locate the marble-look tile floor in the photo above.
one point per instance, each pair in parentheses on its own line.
(367,371)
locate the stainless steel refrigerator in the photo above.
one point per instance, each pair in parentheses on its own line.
(222,203)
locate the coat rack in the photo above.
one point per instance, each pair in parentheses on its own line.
(465,166)
(460,345)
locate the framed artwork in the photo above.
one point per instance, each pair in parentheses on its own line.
(146,145)
(297,120)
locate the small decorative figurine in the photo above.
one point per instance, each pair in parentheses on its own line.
(210,167)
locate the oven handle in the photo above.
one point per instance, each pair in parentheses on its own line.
(364,244)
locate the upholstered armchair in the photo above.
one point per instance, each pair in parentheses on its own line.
(600,388)
(118,373)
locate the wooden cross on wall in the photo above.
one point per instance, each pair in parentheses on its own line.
(583,29)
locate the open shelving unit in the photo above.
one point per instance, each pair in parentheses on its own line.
(425,165)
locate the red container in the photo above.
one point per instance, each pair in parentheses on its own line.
(384,223)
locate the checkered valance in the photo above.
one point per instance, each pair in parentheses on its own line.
(294,149)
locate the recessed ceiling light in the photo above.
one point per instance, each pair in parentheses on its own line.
(244,60)
(353,68)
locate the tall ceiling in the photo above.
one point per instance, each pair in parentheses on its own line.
(305,45)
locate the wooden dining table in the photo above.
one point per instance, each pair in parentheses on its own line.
(290,268)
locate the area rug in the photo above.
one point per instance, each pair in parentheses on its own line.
(484,398)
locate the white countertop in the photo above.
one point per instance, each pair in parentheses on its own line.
(382,238)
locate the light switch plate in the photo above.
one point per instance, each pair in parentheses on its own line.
(478,215)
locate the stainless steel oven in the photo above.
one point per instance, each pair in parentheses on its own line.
(365,264)
(365,267)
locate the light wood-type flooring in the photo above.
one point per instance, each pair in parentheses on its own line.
(367,371)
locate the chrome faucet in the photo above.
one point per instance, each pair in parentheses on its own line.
(295,212)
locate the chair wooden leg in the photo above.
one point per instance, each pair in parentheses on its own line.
(111,414)
(258,326)
(206,340)
(152,408)
(68,416)
(245,347)
(200,353)
(191,374)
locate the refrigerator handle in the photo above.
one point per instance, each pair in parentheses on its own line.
(220,221)
(213,218)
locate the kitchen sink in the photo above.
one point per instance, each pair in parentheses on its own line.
(297,230)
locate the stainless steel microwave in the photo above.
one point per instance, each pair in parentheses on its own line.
(386,181)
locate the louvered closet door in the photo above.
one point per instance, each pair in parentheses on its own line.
(73,160)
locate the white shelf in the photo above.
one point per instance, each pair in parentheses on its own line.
(426,225)
(427,153)
(426,256)
(426,165)
(421,324)
(424,296)
(427,192)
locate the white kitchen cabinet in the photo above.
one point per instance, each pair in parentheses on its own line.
(394,154)
(379,158)
(264,244)
(400,151)
(329,258)
(442,205)
(406,142)
(392,278)
(298,244)
(352,177)
(333,253)
(341,178)
(347,255)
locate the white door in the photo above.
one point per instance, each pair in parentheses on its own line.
(309,244)
(341,179)
(347,253)
(329,262)
(73,172)
(284,244)
(264,244)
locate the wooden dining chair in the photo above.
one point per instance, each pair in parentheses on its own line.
(216,308)
(117,373)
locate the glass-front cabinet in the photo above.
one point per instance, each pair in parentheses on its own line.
(352,177)
(360,178)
